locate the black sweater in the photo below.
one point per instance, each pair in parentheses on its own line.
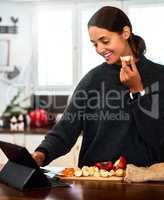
(112,124)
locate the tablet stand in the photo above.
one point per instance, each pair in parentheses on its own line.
(23,177)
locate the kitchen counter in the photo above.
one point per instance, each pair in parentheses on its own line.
(90,190)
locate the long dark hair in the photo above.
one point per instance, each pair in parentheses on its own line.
(114,20)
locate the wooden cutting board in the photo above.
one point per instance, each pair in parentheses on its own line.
(92,178)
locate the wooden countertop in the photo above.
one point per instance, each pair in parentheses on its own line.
(90,190)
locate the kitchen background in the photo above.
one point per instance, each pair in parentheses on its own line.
(45,48)
(51,49)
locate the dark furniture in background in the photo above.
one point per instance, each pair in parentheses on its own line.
(53,104)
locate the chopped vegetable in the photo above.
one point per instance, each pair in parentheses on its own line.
(120,163)
(68,172)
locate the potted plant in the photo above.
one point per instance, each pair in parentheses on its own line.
(16,108)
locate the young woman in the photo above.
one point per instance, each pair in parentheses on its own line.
(118,106)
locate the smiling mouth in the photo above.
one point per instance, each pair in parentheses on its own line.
(107,56)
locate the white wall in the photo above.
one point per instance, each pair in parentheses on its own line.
(21,49)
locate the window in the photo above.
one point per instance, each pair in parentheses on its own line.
(146,21)
(64,51)
(54,29)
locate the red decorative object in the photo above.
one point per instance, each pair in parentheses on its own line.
(38,118)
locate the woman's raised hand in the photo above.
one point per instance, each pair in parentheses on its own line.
(129,76)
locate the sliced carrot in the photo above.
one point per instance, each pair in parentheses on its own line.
(68,172)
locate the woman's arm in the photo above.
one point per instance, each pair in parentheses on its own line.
(61,138)
(148,112)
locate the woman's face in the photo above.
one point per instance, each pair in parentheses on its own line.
(110,45)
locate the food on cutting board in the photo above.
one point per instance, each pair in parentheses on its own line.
(101,169)
(68,172)
(120,163)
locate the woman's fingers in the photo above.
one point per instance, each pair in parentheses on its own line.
(130,76)
(127,66)
(132,63)
(123,76)
(39,157)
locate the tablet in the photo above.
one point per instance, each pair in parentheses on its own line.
(18,154)
(22,172)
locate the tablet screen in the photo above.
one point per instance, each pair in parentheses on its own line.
(18,154)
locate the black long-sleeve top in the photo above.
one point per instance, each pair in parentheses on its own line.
(112,124)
